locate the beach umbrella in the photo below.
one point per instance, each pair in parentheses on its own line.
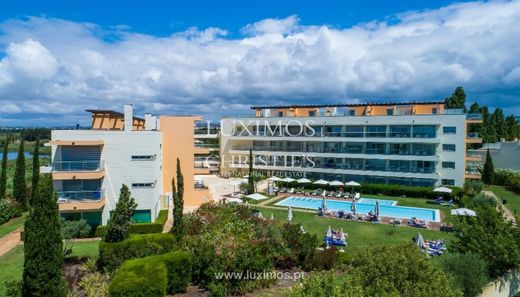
(463,212)
(256,196)
(377,209)
(287,180)
(352,184)
(274,178)
(303,181)
(234,200)
(321,182)
(419,241)
(272,217)
(353,207)
(329,232)
(260,215)
(336,183)
(289,215)
(442,190)
(323,204)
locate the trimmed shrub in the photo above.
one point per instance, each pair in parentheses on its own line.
(141,228)
(178,264)
(113,254)
(8,211)
(146,277)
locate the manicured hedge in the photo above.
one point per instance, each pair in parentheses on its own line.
(169,273)
(141,228)
(408,191)
(8,211)
(178,264)
(113,254)
(146,277)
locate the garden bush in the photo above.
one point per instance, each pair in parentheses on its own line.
(141,228)
(178,265)
(8,211)
(113,254)
(147,277)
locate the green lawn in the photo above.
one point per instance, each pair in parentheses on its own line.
(12,225)
(12,263)
(512,199)
(361,234)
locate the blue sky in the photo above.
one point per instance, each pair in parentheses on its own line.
(218,58)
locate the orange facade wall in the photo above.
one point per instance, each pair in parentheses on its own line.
(178,142)
(110,122)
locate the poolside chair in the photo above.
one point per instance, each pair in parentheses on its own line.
(338,195)
(314,193)
(449,203)
(331,194)
(291,191)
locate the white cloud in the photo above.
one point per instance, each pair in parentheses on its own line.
(418,55)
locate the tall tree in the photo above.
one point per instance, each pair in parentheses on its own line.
(3,174)
(178,204)
(19,184)
(488,172)
(117,229)
(35,168)
(250,178)
(43,247)
(499,123)
(491,237)
(511,127)
(457,99)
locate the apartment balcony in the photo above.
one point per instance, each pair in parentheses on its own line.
(206,134)
(81,200)
(76,142)
(473,157)
(474,118)
(86,169)
(473,138)
(472,174)
(205,148)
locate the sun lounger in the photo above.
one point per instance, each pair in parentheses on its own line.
(449,203)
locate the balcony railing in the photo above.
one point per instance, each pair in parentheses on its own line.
(68,196)
(342,150)
(206,145)
(474,116)
(77,165)
(473,135)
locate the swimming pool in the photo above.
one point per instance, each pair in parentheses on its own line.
(382,202)
(392,211)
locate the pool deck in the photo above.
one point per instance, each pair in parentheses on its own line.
(268,203)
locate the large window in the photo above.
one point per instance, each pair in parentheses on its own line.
(448,147)
(424,131)
(450,165)
(400,131)
(449,130)
(448,182)
(376,131)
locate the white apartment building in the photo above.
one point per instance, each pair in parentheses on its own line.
(416,144)
(90,166)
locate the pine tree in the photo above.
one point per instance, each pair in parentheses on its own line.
(488,172)
(3,174)
(19,185)
(35,168)
(250,180)
(43,247)
(457,100)
(511,127)
(117,229)
(178,204)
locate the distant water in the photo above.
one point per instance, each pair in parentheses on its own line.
(14,155)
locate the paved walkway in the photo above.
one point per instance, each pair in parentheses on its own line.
(10,241)
(508,215)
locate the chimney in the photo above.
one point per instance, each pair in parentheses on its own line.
(129,117)
(150,122)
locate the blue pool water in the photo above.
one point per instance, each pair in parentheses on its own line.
(386,209)
(382,202)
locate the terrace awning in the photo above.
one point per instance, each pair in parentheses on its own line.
(256,196)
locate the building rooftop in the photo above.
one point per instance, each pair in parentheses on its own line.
(111,113)
(349,105)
